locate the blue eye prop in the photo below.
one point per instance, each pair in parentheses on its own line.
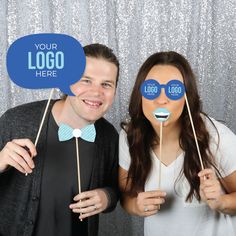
(174,89)
(151,89)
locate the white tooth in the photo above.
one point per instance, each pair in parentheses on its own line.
(92,103)
(162,114)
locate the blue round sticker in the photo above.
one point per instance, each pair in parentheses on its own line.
(150,89)
(46,61)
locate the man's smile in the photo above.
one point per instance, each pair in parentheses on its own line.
(92,103)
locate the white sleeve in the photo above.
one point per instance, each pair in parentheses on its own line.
(226,153)
(124,156)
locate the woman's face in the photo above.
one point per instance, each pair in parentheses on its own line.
(163,74)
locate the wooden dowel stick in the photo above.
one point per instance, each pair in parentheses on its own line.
(78,166)
(44,115)
(160,157)
(160,161)
(42,121)
(194,133)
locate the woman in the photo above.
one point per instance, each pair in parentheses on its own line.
(192,200)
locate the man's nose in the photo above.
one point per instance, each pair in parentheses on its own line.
(97,88)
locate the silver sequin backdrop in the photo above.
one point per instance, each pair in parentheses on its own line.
(204,31)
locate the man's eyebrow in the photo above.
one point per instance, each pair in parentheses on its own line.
(104,81)
(109,81)
(87,77)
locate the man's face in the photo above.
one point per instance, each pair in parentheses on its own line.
(95,92)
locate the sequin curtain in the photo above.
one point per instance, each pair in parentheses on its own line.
(203,31)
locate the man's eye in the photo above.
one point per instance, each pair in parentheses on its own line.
(107,85)
(85,81)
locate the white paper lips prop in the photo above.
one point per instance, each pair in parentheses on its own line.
(161,114)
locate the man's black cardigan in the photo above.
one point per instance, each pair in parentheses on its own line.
(19,194)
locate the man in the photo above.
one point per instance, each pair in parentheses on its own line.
(46,201)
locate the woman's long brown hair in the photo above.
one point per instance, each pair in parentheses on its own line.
(142,137)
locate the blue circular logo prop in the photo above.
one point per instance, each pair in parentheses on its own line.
(174,89)
(150,89)
(46,61)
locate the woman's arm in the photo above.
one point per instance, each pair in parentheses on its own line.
(229,200)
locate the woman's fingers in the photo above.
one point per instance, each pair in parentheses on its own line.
(154,201)
(210,188)
(148,203)
(207,174)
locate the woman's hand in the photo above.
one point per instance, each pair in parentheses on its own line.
(148,203)
(210,188)
(90,203)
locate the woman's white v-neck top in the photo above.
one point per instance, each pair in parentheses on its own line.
(176,216)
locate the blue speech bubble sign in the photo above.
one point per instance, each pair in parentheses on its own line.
(46,61)
(150,89)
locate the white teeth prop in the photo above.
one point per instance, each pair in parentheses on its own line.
(161,114)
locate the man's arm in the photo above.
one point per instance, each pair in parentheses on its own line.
(12,152)
(111,187)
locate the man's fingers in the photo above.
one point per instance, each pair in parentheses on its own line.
(92,208)
(16,165)
(28,143)
(86,210)
(18,153)
(20,161)
(82,204)
(83,216)
(89,203)
(85,195)
(14,147)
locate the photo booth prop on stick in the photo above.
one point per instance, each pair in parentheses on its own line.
(162,115)
(174,90)
(41,61)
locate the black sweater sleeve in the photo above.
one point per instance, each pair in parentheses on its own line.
(111,188)
(108,142)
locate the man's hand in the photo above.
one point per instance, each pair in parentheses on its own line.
(90,203)
(15,154)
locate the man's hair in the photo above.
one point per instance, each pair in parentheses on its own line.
(101,51)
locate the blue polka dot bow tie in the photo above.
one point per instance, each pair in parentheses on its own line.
(88,133)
